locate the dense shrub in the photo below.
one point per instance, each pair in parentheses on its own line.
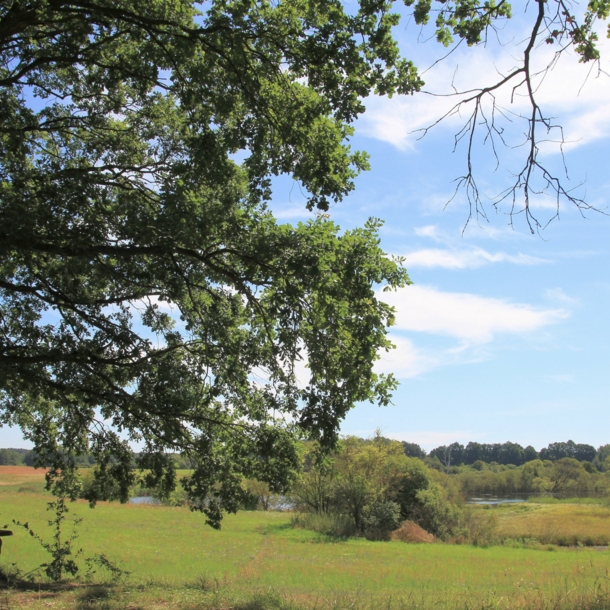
(380,520)
(336,526)
(374,485)
(435,513)
(478,526)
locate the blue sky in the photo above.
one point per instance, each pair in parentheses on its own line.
(503,335)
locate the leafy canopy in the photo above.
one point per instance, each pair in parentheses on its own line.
(146,292)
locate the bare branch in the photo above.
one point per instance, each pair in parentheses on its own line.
(533,178)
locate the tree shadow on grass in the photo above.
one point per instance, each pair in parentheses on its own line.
(298,533)
(101,597)
(94,593)
(88,596)
(274,528)
(265,601)
(24,584)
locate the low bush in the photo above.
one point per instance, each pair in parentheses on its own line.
(479,527)
(436,514)
(380,520)
(335,526)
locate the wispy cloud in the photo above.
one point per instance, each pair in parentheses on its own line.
(431,231)
(470,325)
(454,251)
(292,212)
(557,295)
(467,258)
(468,317)
(456,238)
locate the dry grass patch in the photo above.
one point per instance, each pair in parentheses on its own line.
(411,532)
(561,524)
(16,475)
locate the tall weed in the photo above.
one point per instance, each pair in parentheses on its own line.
(335,526)
(479,527)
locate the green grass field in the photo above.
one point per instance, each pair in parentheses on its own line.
(259,561)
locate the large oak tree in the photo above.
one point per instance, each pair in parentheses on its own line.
(146,292)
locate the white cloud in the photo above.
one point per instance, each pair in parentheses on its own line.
(406,360)
(582,128)
(395,120)
(470,318)
(298,211)
(431,231)
(401,119)
(577,95)
(469,322)
(559,296)
(465,258)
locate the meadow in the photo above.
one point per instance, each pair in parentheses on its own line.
(561,523)
(258,560)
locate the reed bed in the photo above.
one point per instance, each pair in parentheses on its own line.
(560,524)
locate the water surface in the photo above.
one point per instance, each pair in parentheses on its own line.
(143,500)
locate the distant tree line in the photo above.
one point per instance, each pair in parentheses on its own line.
(565,469)
(16,457)
(565,477)
(508,453)
(445,456)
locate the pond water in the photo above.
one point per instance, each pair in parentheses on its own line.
(494,500)
(143,500)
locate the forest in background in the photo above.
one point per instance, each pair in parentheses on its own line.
(510,453)
(442,457)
